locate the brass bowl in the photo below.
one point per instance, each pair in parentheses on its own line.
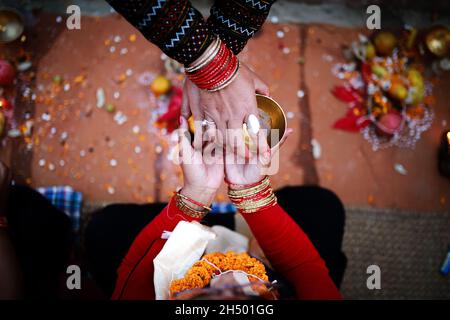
(271,111)
(438,41)
(271,117)
(11,25)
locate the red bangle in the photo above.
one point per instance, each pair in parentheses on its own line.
(226,73)
(215,62)
(220,74)
(193,201)
(212,64)
(217,72)
(254,197)
(212,72)
(244,186)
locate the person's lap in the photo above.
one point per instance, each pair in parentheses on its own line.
(112,230)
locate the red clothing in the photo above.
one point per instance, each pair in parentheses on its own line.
(283,242)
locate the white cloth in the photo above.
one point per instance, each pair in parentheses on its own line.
(227,240)
(186,245)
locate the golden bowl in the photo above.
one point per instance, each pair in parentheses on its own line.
(11,25)
(438,41)
(271,117)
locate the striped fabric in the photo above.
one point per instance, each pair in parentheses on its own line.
(236,21)
(180,30)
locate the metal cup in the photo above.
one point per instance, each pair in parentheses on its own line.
(11,25)
(271,115)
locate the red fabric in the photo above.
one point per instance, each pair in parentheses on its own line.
(170,119)
(291,253)
(286,246)
(135,274)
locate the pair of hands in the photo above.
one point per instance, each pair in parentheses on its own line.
(205,164)
(228,108)
(205,168)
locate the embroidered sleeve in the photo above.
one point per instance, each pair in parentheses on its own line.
(175,26)
(236,21)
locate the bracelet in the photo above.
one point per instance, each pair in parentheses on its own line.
(254,197)
(248,191)
(193,201)
(206,56)
(217,68)
(226,83)
(207,72)
(242,186)
(223,74)
(186,209)
(216,75)
(3,222)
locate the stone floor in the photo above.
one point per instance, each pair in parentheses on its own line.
(408,247)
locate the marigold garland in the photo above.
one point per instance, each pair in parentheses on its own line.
(201,272)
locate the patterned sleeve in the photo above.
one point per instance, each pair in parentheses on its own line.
(175,26)
(236,21)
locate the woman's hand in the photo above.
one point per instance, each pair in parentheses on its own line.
(228,108)
(242,172)
(202,168)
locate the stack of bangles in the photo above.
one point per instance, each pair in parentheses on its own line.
(253,197)
(215,69)
(182,201)
(3,222)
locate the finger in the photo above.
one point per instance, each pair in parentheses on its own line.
(198,135)
(264,152)
(185,110)
(261,87)
(254,127)
(184,144)
(212,155)
(221,129)
(194,103)
(275,149)
(210,129)
(252,106)
(235,139)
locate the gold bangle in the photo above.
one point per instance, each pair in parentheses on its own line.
(206,57)
(252,207)
(241,193)
(198,214)
(243,201)
(188,200)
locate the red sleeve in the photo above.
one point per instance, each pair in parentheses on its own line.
(135,274)
(291,253)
